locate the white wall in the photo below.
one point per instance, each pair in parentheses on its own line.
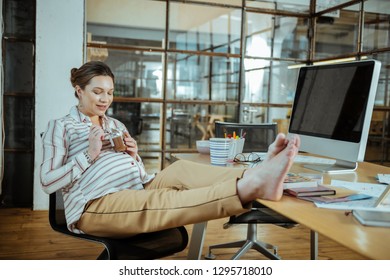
(59,47)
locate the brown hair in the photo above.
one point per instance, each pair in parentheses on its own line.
(86,72)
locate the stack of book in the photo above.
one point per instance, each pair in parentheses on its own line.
(372,217)
(318,190)
(294,180)
(306,185)
(379,215)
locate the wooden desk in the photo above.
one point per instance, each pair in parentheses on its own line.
(371,242)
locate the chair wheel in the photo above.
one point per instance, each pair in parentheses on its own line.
(210,256)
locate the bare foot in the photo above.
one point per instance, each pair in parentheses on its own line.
(277,146)
(281,142)
(266,181)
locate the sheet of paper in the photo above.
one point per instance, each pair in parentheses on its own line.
(366,188)
(384,178)
(374,190)
(349,205)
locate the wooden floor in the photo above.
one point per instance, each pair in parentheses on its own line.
(26,235)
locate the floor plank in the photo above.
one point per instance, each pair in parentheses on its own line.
(27,235)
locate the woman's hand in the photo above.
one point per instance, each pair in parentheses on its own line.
(131,145)
(96,135)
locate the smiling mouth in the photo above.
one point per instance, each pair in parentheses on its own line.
(102,107)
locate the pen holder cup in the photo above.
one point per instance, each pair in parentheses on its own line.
(219,150)
(236,147)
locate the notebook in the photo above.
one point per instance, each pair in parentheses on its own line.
(372,217)
(379,215)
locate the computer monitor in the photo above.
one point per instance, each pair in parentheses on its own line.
(332,111)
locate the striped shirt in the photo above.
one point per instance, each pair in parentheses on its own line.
(65,166)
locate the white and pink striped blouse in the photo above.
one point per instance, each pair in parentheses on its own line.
(65,166)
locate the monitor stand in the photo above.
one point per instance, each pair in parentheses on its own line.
(341,166)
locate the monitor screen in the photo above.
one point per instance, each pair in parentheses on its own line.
(333,106)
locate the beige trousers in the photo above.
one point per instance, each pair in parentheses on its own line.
(183,193)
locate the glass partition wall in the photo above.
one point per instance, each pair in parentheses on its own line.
(181,65)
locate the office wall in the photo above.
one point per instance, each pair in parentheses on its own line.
(59,47)
(1,103)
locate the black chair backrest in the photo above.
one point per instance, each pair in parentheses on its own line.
(257,136)
(56,210)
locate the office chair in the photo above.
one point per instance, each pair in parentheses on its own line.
(257,139)
(143,246)
(257,136)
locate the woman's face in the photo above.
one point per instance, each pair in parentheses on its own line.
(97,96)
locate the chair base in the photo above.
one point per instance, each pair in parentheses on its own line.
(250,243)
